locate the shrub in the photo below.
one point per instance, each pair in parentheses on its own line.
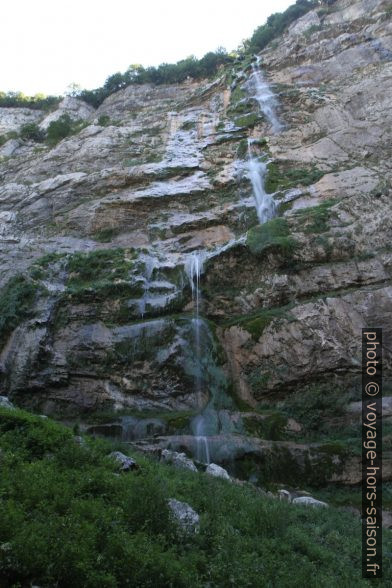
(278,22)
(59,129)
(63,127)
(104,120)
(32,132)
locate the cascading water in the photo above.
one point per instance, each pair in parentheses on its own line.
(265,204)
(261,92)
(264,96)
(194,270)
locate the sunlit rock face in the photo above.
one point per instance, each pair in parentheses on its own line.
(104,226)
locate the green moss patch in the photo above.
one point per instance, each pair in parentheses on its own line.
(247,120)
(274,234)
(103,272)
(281,177)
(256,323)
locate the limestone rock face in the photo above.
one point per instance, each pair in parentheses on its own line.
(141,280)
(74,108)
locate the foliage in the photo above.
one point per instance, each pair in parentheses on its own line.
(277,23)
(104,120)
(63,127)
(66,520)
(16,300)
(102,272)
(315,406)
(166,73)
(32,132)
(274,234)
(37,102)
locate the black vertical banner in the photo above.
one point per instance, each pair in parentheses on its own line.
(372,453)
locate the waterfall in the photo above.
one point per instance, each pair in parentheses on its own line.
(262,93)
(150,264)
(264,96)
(265,204)
(194,269)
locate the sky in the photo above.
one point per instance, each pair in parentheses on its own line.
(46,45)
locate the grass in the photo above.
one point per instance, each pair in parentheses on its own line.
(315,219)
(257,322)
(103,272)
(279,178)
(68,520)
(272,235)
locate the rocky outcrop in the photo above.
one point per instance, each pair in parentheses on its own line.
(186,518)
(104,227)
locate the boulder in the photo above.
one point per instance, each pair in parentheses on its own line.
(187,519)
(179,460)
(127,463)
(215,470)
(284,495)
(5,403)
(310,501)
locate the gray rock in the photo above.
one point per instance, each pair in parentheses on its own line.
(310,501)
(188,520)
(127,463)
(5,403)
(215,470)
(284,495)
(9,148)
(179,460)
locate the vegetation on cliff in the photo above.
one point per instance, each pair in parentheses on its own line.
(67,518)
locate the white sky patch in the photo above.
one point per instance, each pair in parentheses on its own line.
(46,44)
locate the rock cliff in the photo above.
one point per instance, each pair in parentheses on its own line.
(98,234)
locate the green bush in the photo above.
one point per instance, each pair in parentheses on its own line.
(62,128)
(104,120)
(16,301)
(59,129)
(32,132)
(277,23)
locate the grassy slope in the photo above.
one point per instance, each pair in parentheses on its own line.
(67,520)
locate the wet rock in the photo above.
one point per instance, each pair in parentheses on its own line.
(125,462)
(187,519)
(217,471)
(179,460)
